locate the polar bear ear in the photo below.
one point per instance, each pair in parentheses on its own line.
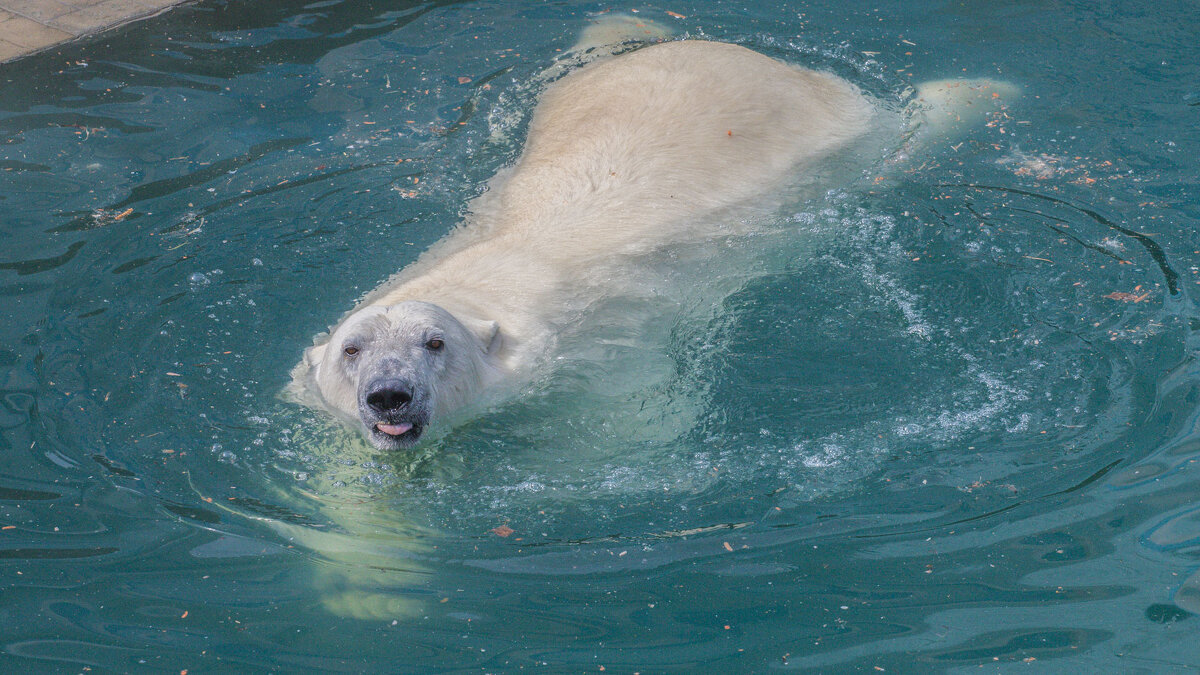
(487,332)
(314,354)
(303,388)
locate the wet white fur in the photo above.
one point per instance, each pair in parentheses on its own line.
(624,155)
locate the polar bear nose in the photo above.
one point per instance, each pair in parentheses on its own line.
(389,395)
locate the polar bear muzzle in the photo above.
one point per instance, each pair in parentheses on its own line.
(393,411)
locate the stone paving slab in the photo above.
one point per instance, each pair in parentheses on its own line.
(27,26)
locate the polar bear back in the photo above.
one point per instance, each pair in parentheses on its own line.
(635,145)
(623,156)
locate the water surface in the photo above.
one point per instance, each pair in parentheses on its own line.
(930,423)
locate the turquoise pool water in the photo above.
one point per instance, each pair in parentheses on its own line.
(934,423)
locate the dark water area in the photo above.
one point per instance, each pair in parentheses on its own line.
(945,420)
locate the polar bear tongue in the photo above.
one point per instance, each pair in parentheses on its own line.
(394,429)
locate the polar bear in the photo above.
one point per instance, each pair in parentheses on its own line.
(626,154)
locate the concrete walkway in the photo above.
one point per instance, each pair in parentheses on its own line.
(28,26)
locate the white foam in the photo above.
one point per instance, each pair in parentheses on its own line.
(899,297)
(830,455)
(1000,396)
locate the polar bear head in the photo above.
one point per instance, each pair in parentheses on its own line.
(394,369)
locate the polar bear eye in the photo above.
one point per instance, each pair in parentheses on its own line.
(435,345)
(350,350)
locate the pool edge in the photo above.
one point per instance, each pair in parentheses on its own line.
(28,27)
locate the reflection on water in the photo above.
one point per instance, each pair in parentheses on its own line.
(947,418)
